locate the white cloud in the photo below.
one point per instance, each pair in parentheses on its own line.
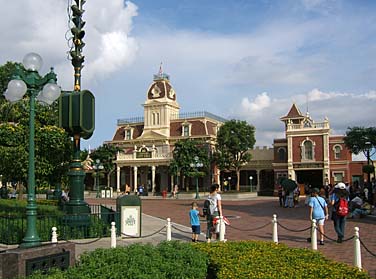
(109,46)
(261,102)
(343,110)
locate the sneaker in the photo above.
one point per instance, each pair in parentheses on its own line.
(321,242)
(339,240)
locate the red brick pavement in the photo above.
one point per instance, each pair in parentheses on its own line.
(256,213)
(246,216)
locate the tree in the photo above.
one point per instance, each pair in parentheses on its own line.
(52,144)
(184,154)
(234,139)
(362,140)
(107,155)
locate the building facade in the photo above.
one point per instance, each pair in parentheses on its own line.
(147,142)
(309,154)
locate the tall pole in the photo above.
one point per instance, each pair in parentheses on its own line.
(31,238)
(368,163)
(197,194)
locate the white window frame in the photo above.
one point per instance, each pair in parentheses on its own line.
(303,150)
(337,155)
(334,173)
(184,126)
(128,132)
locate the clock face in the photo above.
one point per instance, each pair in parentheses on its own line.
(156,91)
(161,89)
(170,92)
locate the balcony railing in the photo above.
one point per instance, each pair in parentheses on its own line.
(318,125)
(154,156)
(183,115)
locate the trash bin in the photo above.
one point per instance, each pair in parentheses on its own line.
(129,207)
(50,195)
(164,193)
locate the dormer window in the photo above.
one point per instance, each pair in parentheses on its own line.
(128,133)
(186,129)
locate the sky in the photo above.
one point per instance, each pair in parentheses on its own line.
(240,59)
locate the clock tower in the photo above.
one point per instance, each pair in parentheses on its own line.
(160,107)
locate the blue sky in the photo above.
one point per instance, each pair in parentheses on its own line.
(239,59)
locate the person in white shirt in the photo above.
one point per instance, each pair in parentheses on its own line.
(215,209)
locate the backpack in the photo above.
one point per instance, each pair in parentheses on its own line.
(205,209)
(342,208)
(210,206)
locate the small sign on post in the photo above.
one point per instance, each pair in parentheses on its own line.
(129,207)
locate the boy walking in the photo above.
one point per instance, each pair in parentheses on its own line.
(194,215)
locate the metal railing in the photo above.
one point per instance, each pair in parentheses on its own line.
(183,115)
(70,226)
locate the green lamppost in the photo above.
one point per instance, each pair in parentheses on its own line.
(250,181)
(196,165)
(30,82)
(97,167)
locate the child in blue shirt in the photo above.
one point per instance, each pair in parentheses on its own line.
(194,216)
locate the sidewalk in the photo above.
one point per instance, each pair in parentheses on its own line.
(150,225)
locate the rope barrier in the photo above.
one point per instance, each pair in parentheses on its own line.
(180,230)
(348,239)
(291,230)
(83,243)
(365,247)
(249,230)
(144,236)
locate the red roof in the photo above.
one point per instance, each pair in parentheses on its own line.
(293,113)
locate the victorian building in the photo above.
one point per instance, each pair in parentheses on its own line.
(147,142)
(309,154)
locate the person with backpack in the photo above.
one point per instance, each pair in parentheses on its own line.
(212,209)
(339,201)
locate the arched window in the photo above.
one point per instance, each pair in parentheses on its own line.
(308,152)
(281,154)
(337,151)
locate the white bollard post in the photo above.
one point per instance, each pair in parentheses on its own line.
(54,235)
(314,235)
(113,235)
(222,229)
(357,252)
(168,228)
(275,228)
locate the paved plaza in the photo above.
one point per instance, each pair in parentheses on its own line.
(251,220)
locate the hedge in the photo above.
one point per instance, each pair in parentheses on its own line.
(181,260)
(257,259)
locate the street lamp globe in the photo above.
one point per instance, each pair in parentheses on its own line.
(16,90)
(32,61)
(49,94)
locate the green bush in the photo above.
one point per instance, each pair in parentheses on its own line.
(172,260)
(256,259)
(18,207)
(230,260)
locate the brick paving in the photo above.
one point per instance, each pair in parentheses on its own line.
(248,215)
(257,213)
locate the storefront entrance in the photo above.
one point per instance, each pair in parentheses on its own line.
(311,177)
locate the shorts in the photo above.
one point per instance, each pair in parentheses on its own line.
(196,229)
(320,221)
